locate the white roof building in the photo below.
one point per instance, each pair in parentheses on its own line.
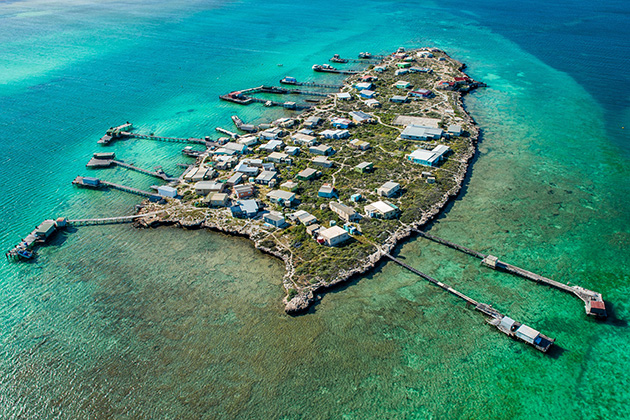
(334,236)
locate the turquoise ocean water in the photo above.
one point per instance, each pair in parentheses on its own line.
(113,322)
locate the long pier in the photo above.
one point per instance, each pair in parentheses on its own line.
(95,183)
(106,163)
(503,323)
(243,97)
(163,138)
(593,301)
(111,220)
(291,81)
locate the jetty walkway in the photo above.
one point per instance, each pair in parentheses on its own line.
(594,303)
(96,162)
(503,323)
(244,97)
(111,220)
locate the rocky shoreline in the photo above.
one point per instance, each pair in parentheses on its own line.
(307,295)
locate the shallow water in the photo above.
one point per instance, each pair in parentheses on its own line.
(164,323)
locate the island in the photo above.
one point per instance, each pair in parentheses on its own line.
(333,189)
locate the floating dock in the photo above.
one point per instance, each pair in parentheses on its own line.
(593,301)
(503,323)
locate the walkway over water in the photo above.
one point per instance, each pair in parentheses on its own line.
(111,220)
(539,341)
(594,303)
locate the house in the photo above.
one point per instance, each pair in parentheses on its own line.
(346,213)
(363,86)
(200,175)
(367,94)
(419,132)
(312,121)
(256,163)
(292,150)
(403,65)
(355,198)
(245,169)
(248,140)
(231,148)
(245,208)
(278,157)
(303,139)
(305,218)
(235,179)
(271,133)
(447,85)
(165,191)
(266,177)
(243,191)
(45,229)
(388,189)
(307,174)
(272,146)
(364,167)
(401,72)
(360,117)
(289,185)
(421,93)
(359,144)
(284,122)
(402,84)
(369,78)
(420,70)
(322,149)
(335,134)
(313,229)
(380,69)
(455,130)
(373,103)
(326,191)
(207,187)
(275,220)
(322,161)
(398,99)
(381,210)
(284,198)
(344,96)
(429,157)
(218,199)
(307,131)
(340,122)
(333,236)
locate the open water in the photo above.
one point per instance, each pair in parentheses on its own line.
(113,322)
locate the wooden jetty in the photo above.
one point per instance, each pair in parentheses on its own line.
(163,138)
(243,97)
(95,183)
(115,132)
(111,220)
(106,163)
(25,249)
(337,59)
(292,81)
(503,323)
(325,68)
(593,301)
(229,133)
